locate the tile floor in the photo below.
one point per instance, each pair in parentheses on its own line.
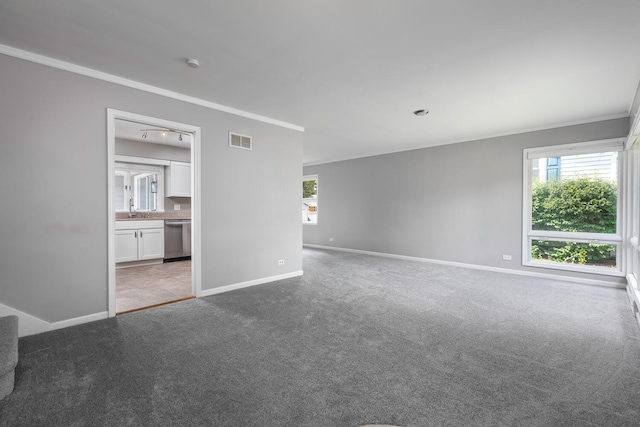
(149,285)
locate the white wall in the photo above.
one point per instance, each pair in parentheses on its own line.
(457,203)
(53,175)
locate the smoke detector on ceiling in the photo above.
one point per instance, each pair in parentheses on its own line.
(193,63)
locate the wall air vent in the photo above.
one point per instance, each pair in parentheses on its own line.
(239,141)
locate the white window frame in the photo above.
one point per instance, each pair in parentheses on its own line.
(313,199)
(616,144)
(632,175)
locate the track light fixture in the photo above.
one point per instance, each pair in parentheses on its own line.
(164,132)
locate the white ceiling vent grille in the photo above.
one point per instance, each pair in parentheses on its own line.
(240,141)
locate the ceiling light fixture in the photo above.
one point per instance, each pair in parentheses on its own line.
(193,63)
(164,132)
(421,112)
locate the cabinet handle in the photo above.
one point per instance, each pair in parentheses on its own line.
(141,234)
(135,234)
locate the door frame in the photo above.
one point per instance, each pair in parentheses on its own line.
(196,266)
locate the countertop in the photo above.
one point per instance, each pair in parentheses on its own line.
(140,216)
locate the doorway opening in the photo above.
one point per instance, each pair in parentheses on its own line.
(154,212)
(142,287)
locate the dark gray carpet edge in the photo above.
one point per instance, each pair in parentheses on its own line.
(356,340)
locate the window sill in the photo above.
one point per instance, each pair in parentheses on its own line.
(608,239)
(603,271)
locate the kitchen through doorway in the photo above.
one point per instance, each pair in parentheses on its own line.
(153,205)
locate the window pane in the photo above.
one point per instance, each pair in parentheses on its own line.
(535,169)
(309,212)
(152,187)
(579,195)
(118,193)
(594,254)
(310,189)
(141,193)
(152,201)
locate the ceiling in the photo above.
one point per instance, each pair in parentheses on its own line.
(352,72)
(134,131)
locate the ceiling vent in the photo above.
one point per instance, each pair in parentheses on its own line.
(239,141)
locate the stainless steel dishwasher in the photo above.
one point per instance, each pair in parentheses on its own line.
(177,239)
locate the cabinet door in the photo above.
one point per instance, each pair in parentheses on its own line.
(179,180)
(151,243)
(126,245)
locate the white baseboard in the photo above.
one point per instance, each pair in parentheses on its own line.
(138,263)
(27,324)
(79,320)
(31,325)
(475,266)
(233,287)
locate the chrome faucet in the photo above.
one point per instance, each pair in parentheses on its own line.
(131,213)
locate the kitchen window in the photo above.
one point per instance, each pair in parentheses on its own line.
(138,188)
(572,207)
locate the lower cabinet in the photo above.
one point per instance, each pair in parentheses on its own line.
(139,240)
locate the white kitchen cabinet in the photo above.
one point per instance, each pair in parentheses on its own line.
(139,240)
(126,245)
(178,179)
(151,243)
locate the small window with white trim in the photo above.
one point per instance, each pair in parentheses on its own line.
(310,199)
(571,207)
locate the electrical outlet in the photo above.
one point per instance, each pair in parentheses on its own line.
(176,207)
(506,257)
(331,239)
(280,262)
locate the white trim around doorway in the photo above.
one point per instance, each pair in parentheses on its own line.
(196,265)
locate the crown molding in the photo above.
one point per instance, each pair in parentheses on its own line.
(99,75)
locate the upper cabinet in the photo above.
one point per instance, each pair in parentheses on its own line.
(178,179)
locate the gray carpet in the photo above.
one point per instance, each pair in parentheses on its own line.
(357,340)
